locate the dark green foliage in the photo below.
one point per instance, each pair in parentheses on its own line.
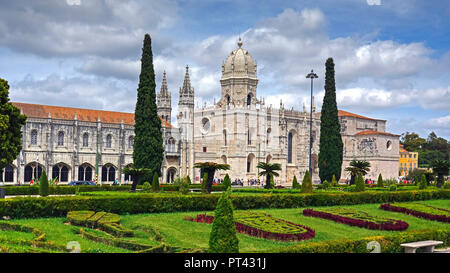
(380,181)
(223,237)
(136,174)
(204,182)
(307,183)
(43,184)
(188,179)
(155,182)
(423,182)
(357,167)
(268,170)
(430,149)
(440,168)
(11,122)
(226,182)
(210,168)
(330,154)
(359,183)
(148,150)
(295,184)
(146,187)
(325,184)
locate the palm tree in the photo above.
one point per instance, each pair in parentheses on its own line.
(268,170)
(357,167)
(136,174)
(440,168)
(210,168)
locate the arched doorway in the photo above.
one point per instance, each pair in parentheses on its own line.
(108,173)
(85,172)
(60,171)
(171,173)
(7,174)
(250,162)
(32,172)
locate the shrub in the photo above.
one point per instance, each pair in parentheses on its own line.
(223,237)
(306,183)
(43,184)
(380,181)
(295,184)
(419,210)
(182,185)
(325,184)
(446,185)
(334,182)
(188,180)
(392,187)
(359,184)
(226,182)
(155,182)
(423,182)
(147,187)
(204,181)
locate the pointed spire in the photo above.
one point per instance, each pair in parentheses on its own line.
(164,92)
(239,42)
(186,89)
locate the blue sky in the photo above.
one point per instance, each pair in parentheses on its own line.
(392,57)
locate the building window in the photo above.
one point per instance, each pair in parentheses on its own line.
(290,147)
(85,173)
(249,100)
(389,145)
(250,162)
(108,173)
(225,137)
(60,172)
(249,137)
(108,141)
(130,142)
(85,139)
(61,139)
(204,149)
(9,174)
(33,139)
(268,136)
(171,145)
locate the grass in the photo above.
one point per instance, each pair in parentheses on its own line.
(176,231)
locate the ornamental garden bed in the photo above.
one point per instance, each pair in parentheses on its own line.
(262,225)
(419,210)
(357,218)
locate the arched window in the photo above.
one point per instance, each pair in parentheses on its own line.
(60,172)
(85,172)
(85,140)
(33,139)
(249,100)
(225,137)
(290,136)
(250,164)
(9,174)
(171,145)
(171,172)
(108,141)
(224,159)
(228,100)
(108,173)
(130,142)
(61,139)
(268,158)
(249,137)
(32,172)
(268,136)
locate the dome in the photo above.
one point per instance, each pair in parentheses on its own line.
(239,64)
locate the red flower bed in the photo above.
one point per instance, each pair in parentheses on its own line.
(440,218)
(256,232)
(388,225)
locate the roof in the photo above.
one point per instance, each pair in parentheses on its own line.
(342,113)
(69,113)
(362,133)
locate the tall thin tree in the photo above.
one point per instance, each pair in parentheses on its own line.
(330,153)
(148,142)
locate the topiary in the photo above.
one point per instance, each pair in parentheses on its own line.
(226,182)
(43,184)
(359,184)
(446,185)
(380,181)
(325,184)
(223,237)
(423,182)
(306,183)
(392,187)
(155,182)
(334,182)
(146,186)
(183,187)
(188,180)
(295,184)
(205,178)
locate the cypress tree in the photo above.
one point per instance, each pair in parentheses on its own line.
(226,182)
(423,182)
(380,181)
(11,122)
(148,142)
(330,153)
(359,183)
(43,184)
(295,184)
(306,183)
(334,182)
(223,237)
(188,180)
(155,182)
(204,181)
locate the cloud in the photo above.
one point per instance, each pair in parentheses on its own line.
(373,2)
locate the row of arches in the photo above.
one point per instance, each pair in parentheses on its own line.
(85,139)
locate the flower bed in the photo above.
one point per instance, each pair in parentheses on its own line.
(419,210)
(108,222)
(263,225)
(357,218)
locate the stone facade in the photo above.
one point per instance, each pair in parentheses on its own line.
(239,130)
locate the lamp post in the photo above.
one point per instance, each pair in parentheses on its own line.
(311,76)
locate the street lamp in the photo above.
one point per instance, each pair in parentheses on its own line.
(311,76)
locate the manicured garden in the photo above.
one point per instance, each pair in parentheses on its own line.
(170,232)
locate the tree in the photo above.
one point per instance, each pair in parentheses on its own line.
(226,182)
(330,153)
(188,180)
(210,169)
(423,182)
(155,182)
(307,183)
(223,237)
(411,141)
(334,182)
(11,122)
(357,167)
(43,184)
(268,169)
(440,168)
(295,184)
(148,150)
(136,175)
(204,181)
(380,181)
(359,183)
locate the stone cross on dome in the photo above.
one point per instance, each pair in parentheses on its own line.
(239,43)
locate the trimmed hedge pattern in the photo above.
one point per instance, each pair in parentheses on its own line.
(108,222)
(414,212)
(356,218)
(31,207)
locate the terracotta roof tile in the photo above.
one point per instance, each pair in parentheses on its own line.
(374,133)
(68,113)
(342,113)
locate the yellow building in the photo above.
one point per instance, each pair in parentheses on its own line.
(407,161)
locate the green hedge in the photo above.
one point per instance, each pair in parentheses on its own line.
(35,207)
(388,243)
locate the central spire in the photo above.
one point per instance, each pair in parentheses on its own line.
(187,92)
(239,43)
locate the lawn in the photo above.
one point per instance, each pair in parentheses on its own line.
(172,229)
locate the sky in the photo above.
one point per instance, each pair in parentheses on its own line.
(392,58)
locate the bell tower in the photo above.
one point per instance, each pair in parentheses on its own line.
(164,101)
